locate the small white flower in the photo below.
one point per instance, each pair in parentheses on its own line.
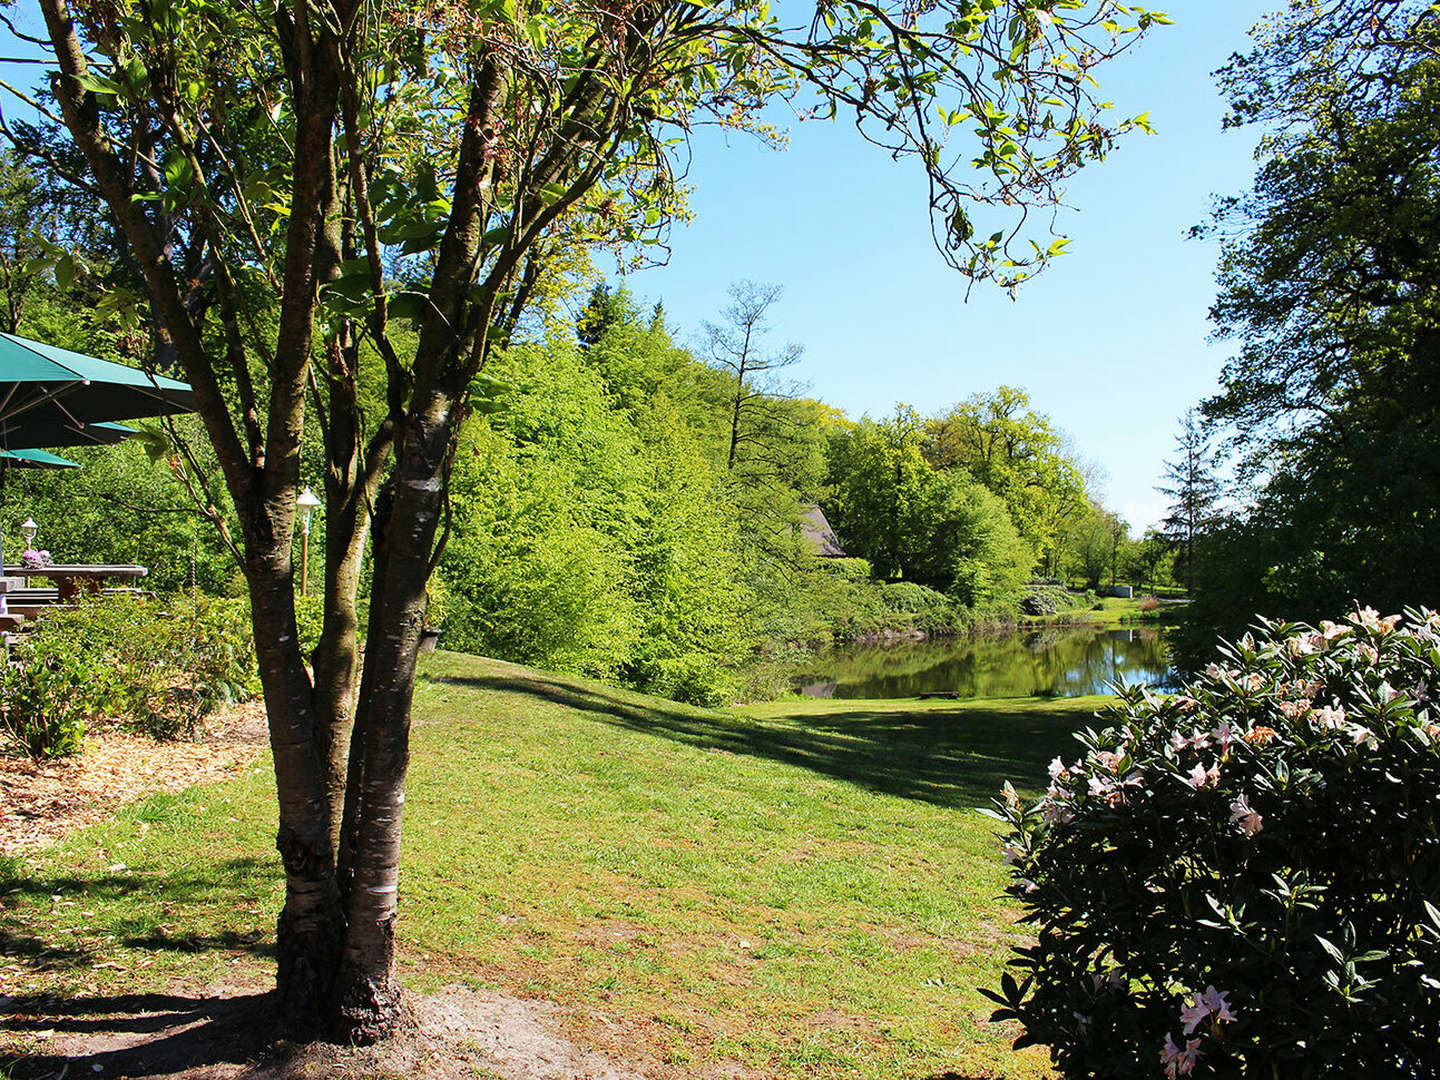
(1242,814)
(1201,777)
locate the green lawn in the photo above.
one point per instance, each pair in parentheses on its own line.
(1115,613)
(798,888)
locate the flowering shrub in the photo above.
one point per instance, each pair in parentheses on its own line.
(35,559)
(1244,879)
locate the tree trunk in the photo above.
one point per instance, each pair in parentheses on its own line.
(311,924)
(367,994)
(336,661)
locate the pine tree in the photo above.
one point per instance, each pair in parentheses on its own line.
(1193,490)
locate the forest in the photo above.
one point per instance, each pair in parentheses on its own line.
(624,505)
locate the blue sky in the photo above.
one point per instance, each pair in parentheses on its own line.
(1111,342)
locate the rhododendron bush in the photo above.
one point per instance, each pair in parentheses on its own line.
(1244,878)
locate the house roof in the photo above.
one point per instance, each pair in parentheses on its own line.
(816,529)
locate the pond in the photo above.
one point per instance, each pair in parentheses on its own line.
(1063,662)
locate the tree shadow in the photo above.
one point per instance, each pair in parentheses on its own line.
(151,1035)
(957,755)
(49,945)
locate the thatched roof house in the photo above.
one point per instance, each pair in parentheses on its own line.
(820,535)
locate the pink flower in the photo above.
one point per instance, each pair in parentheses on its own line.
(1012,798)
(1193,1015)
(1333,630)
(1100,787)
(1294,710)
(1214,1000)
(1225,734)
(1179,1062)
(1200,777)
(1369,652)
(1212,671)
(1110,760)
(1211,1003)
(1304,644)
(1185,703)
(1388,693)
(1329,719)
(1057,769)
(1242,814)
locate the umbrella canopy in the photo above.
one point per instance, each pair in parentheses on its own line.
(35,459)
(45,391)
(24,433)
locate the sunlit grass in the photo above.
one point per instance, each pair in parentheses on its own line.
(799,888)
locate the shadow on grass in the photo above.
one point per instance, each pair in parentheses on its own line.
(132,912)
(150,1035)
(950,756)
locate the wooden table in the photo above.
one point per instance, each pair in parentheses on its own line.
(70,579)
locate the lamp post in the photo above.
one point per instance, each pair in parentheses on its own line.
(307,502)
(28,530)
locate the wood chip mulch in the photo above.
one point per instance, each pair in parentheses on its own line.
(41,801)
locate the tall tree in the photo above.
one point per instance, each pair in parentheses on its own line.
(1330,286)
(1193,490)
(1018,454)
(327,195)
(737,347)
(605,307)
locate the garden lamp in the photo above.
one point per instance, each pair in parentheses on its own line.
(307,502)
(28,530)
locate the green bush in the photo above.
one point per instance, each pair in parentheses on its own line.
(693,678)
(913,598)
(48,697)
(1242,879)
(309,622)
(162,668)
(1039,603)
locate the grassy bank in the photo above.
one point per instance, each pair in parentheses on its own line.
(789,890)
(1109,613)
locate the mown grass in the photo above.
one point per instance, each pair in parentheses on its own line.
(1113,613)
(800,889)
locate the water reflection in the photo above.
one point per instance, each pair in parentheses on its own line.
(1060,662)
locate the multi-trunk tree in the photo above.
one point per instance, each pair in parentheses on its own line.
(340,210)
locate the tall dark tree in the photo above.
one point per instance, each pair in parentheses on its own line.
(1330,285)
(1193,490)
(605,307)
(302,184)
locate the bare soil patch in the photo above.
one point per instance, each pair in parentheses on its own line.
(41,801)
(227,1033)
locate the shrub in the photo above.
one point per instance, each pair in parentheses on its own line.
(161,668)
(910,597)
(1039,603)
(694,679)
(1242,879)
(48,695)
(309,621)
(1149,603)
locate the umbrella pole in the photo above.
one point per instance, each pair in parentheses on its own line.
(4,601)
